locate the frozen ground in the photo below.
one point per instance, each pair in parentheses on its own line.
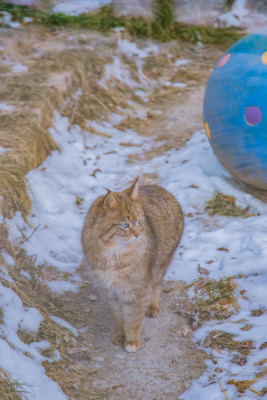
(192,175)
(65,185)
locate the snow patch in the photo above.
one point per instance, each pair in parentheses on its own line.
(78,7)
(65,324)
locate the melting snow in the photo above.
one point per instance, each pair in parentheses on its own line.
(85,166)
(77,7)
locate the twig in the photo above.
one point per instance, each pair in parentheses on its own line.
(222,388)
(101,103)
(33,232)
(254,391)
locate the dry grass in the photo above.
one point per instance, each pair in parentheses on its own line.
(36,95)
(223,204)
(243,385)
(57,68)
(59,64)
(72,376)
(12,390)
(213,300)
(221,340)
(217,300)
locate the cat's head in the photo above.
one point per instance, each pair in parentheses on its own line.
(122,217)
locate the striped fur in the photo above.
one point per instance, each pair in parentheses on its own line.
(128,239)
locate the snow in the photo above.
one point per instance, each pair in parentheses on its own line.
(93,159)
(6,19)
(193,183)
(62,286)
(241,16)
(118,71)
(77,7)
(175,84)
(8,259)
(65,324)
(182,62)
(5,107)
(14,360)
(17,68)
(26,275)
(5,275)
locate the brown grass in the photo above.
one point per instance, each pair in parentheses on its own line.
(73,378)
(57,67)
(36,95)
(223,204)
(221,340)
(12,390)
(243,385)
(213,300)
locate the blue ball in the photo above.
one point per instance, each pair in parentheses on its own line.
(235,110)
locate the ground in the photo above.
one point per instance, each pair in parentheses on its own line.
(156,91)
(162,369)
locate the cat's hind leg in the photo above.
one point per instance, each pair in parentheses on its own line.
(118,336)
(153,309)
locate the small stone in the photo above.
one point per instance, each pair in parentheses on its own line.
(246,327)
(93,298)
(79,201)
(185,331)
(115,387)
(257,313)
(71,351)
(202,271)
(239,359)
(263,346)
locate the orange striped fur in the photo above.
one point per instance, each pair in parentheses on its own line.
(128,240)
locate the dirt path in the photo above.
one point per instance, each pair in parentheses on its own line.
(167,362)
(163,368)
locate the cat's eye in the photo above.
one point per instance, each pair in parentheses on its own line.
(125,225)
(139,221)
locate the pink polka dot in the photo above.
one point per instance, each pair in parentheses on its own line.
(224,60)
(253,115)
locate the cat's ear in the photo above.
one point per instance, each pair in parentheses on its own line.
(111,200)
(133,190)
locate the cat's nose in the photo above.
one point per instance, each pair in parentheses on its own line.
(135,232)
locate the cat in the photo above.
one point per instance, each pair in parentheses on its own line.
(128,240)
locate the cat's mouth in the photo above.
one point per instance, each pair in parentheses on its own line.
(126,240)
(131,239)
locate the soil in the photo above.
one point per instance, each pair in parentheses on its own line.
(163,368)
(168,361)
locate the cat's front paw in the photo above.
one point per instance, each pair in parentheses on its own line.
(152,312)
(132,346)
(118,338)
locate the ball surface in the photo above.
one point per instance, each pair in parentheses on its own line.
(235,110)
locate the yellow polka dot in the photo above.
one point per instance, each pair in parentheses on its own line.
(207,129)
(264,58)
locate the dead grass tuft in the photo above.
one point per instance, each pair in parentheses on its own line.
(223,204)
(213,300)
(73,377)
(244,385)
(220,340)
(53,75)
(12,390)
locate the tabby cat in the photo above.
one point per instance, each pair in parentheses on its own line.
(128,239)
